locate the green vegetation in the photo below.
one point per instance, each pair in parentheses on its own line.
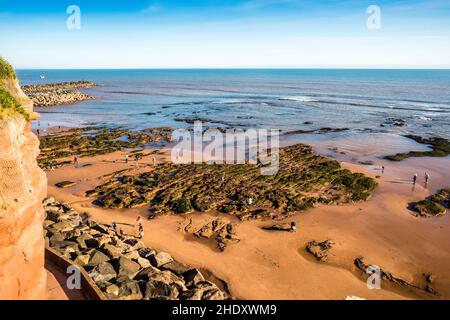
(92,141)
(303,180)
(6,70)
(9,106)
(440,148)
(434,205)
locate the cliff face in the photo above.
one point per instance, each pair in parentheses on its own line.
(22,188)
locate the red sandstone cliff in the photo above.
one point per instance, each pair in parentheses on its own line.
(22,188)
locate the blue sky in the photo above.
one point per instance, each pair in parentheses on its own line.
(221,34)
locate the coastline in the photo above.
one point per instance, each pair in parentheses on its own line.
(277,266)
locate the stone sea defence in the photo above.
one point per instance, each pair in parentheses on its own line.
(122,266)
(23,185)
(47,95)
(303,180)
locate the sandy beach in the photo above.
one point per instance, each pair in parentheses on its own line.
(275,265)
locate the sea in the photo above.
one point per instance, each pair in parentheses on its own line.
(347,108)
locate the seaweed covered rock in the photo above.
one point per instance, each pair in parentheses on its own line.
(433,206)
(59,149)
(440,148)
(303,180)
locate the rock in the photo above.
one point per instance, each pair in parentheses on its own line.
(144,263)
(98,257)
(65,184)
(48,223)
(129,290)
(224,233)
(57,237)
(112,291)
(164,285)
(48,201)
(145,273)
(209,229)
(160,259)
(213,294)
(319,250)
(193,277)
(126,267)
(63,226)
(111,251)
(82,260)
(81,240)
(102,272)
(132,255)
(146,252)
(175,267)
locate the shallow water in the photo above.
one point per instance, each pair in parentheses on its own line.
(307,99)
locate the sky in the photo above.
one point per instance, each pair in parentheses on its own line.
(226,34)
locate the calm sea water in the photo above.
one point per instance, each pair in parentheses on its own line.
(306,99)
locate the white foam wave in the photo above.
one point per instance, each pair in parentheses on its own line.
(299,99)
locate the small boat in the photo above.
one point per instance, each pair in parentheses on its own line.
(42,76)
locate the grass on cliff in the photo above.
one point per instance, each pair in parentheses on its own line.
(9,106)
(6,70)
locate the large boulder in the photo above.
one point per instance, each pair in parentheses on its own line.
(129,290)
(175,267)
(127,267)
(111,251)
(164,285)
(193,277)
(103,272)
(161,258)
(98,257)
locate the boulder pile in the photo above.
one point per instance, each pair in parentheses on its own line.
(122,267)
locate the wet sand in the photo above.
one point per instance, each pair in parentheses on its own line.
(275,265)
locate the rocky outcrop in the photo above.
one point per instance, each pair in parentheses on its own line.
(319,249)
(122,267)
(221,231)
(433,206)
(22,187)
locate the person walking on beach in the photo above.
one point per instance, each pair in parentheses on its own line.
(113,224)
(141,231)
(138,221)
(37,131)
(121,231)
(427,177)
(126,158)
(415,179)
(293,226)
(382,169)
(75,161)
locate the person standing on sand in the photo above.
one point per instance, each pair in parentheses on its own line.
(126,158)
(121,231)
(415,179)
(141,231)
(75,161)
(427,177)
(293,226)
(382,169)
(138,221)
(37,131)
